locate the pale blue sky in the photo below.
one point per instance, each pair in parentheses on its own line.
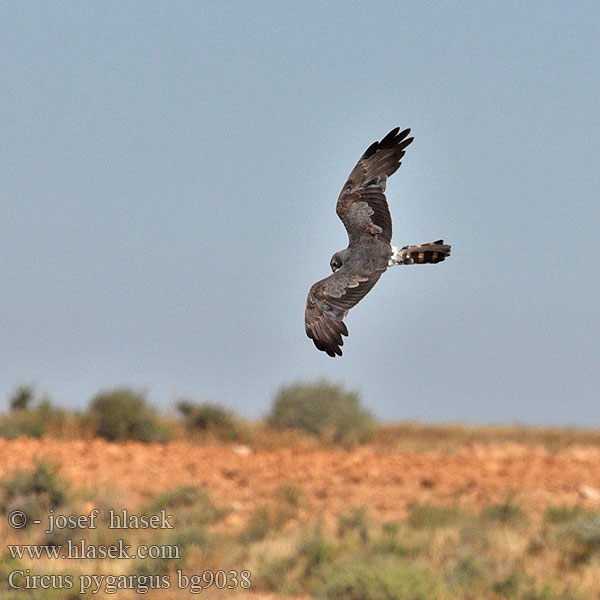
(169,177)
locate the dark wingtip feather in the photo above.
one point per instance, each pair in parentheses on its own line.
(394,138)
(371,150)
(390,138)
(406,142)
(326,334)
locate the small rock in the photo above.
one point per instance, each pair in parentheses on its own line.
(589,493)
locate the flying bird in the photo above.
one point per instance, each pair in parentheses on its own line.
(364,211)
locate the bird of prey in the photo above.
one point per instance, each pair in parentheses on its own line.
(363,209)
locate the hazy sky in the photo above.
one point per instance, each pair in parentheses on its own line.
(168,187)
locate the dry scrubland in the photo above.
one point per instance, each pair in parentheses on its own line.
(316,501)
(418,512)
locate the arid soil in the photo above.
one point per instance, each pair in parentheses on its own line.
(331,480)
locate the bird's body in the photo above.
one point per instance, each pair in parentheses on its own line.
(363,209)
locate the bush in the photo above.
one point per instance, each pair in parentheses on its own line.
(563,513)
(22,423)
(34,491)
(35,422)
(192,512)
(290,493)
(122,414)
(506,512)
(581,539)
(210,418)
(390,541)
(189,504)
(321,409)
(260,523)
(21,398)
(316,549)
(354,520)
(264,519)
(513,585)
(423,516)
(273,575)
(382,578)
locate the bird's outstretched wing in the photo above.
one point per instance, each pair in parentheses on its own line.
(361,205)
(363,209)
(328,302)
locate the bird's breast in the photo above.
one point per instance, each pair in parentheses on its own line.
(369,255)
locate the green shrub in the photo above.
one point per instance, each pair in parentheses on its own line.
(25,420)
(321,409)
(467,572)
(506,512)
(316,550)
(34,491)
(189,505)
(272,576)
(264,519)
(581,539)
(290,493)
(191,511)
(563,512)
(122,414)
(258,526)
(22,423)
(186,495)
(423,516)
(7,565)
(191,536)
(354,520)
(548,591)
(513,585)
(21,398)
(209,418)
(380,578)
(390,541)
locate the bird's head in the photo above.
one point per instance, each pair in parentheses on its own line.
(336,261)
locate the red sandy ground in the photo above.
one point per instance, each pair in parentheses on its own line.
(331,480)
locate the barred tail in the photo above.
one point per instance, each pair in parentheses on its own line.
(434,252)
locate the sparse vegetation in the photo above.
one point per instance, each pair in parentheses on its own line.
(123,414)
(431,515)
(265,519)
(563,513)
(191,504)
(456,551)
(291,494)
(316,549)
(322,409)
(22,398)
(437,552)
(380,578)
(301,414)
(581,539)
(34,491)
(32,418)
(355,520)
(210,419)
(504,512)
(452,437)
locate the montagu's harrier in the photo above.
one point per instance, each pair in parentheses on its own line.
(363,209)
